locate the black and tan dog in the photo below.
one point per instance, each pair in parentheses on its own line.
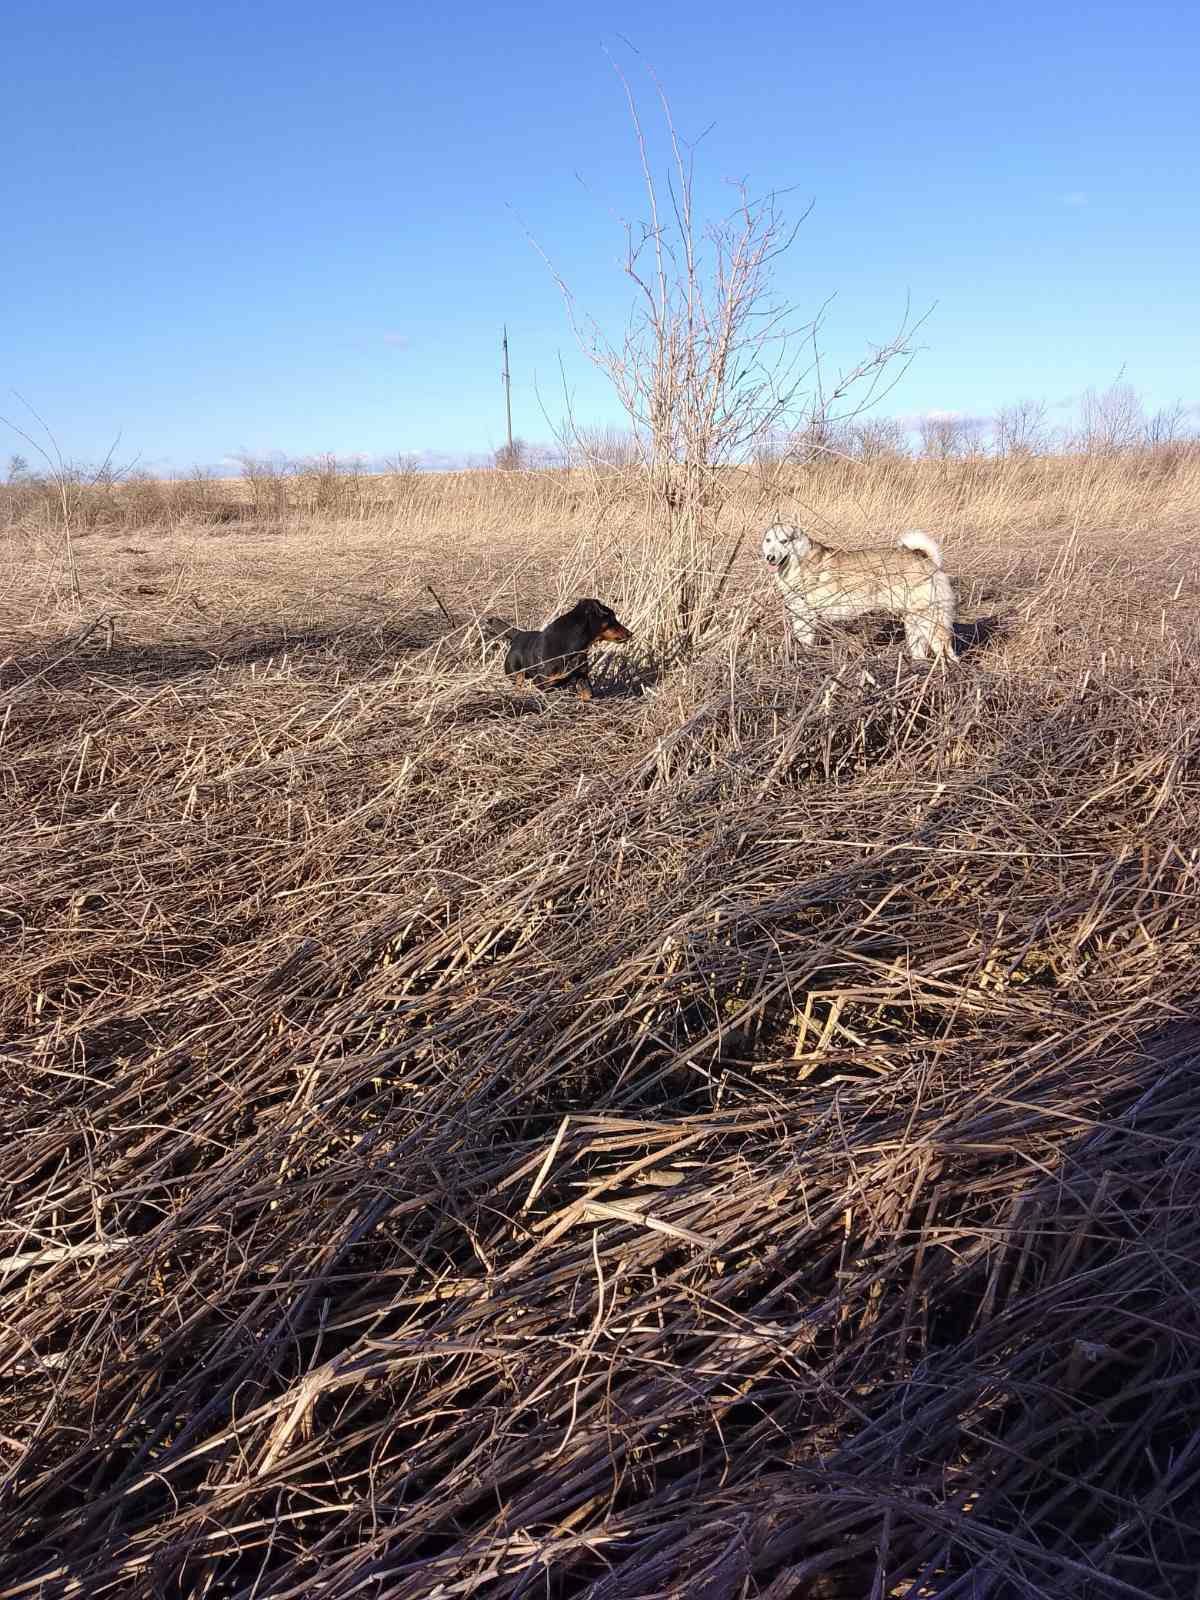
(556,656)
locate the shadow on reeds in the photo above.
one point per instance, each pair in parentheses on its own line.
(977,633)
(57,662)
(882,635)
(933,1366)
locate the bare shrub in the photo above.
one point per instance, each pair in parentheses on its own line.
(819,439)
(512,457)
(946,436)
(877,439)
(1111,421)
(1021,429)
(199,496)
(1169,428)
(266,477)
(710,363)
(326,486)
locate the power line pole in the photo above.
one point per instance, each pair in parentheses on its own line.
(507,393)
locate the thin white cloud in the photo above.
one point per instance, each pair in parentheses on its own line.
(1075,199)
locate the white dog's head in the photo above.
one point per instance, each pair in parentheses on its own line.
(782,543)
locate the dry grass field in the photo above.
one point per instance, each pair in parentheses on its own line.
(736,1138)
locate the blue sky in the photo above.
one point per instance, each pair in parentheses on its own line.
(299,228)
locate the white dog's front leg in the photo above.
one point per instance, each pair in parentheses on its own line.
(803,631)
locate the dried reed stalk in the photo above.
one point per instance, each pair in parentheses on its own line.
(738,1140)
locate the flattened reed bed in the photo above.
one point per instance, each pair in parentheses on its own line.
(734,1140)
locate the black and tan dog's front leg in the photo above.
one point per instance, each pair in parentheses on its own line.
(578,679)
(574,674)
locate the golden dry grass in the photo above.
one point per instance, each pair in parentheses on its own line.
(736,1138)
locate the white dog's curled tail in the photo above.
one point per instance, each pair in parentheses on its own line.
(922,544)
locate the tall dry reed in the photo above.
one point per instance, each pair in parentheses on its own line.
(734,1139)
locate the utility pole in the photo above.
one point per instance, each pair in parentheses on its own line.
(507,394)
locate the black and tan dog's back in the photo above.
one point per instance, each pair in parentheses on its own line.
(556,656)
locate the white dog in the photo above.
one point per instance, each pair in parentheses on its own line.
(904,580)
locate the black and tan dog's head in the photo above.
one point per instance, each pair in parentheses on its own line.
(599,622)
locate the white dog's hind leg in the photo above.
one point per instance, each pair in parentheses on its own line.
(916,633)
(930,635)
(943,641)
(947,615)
